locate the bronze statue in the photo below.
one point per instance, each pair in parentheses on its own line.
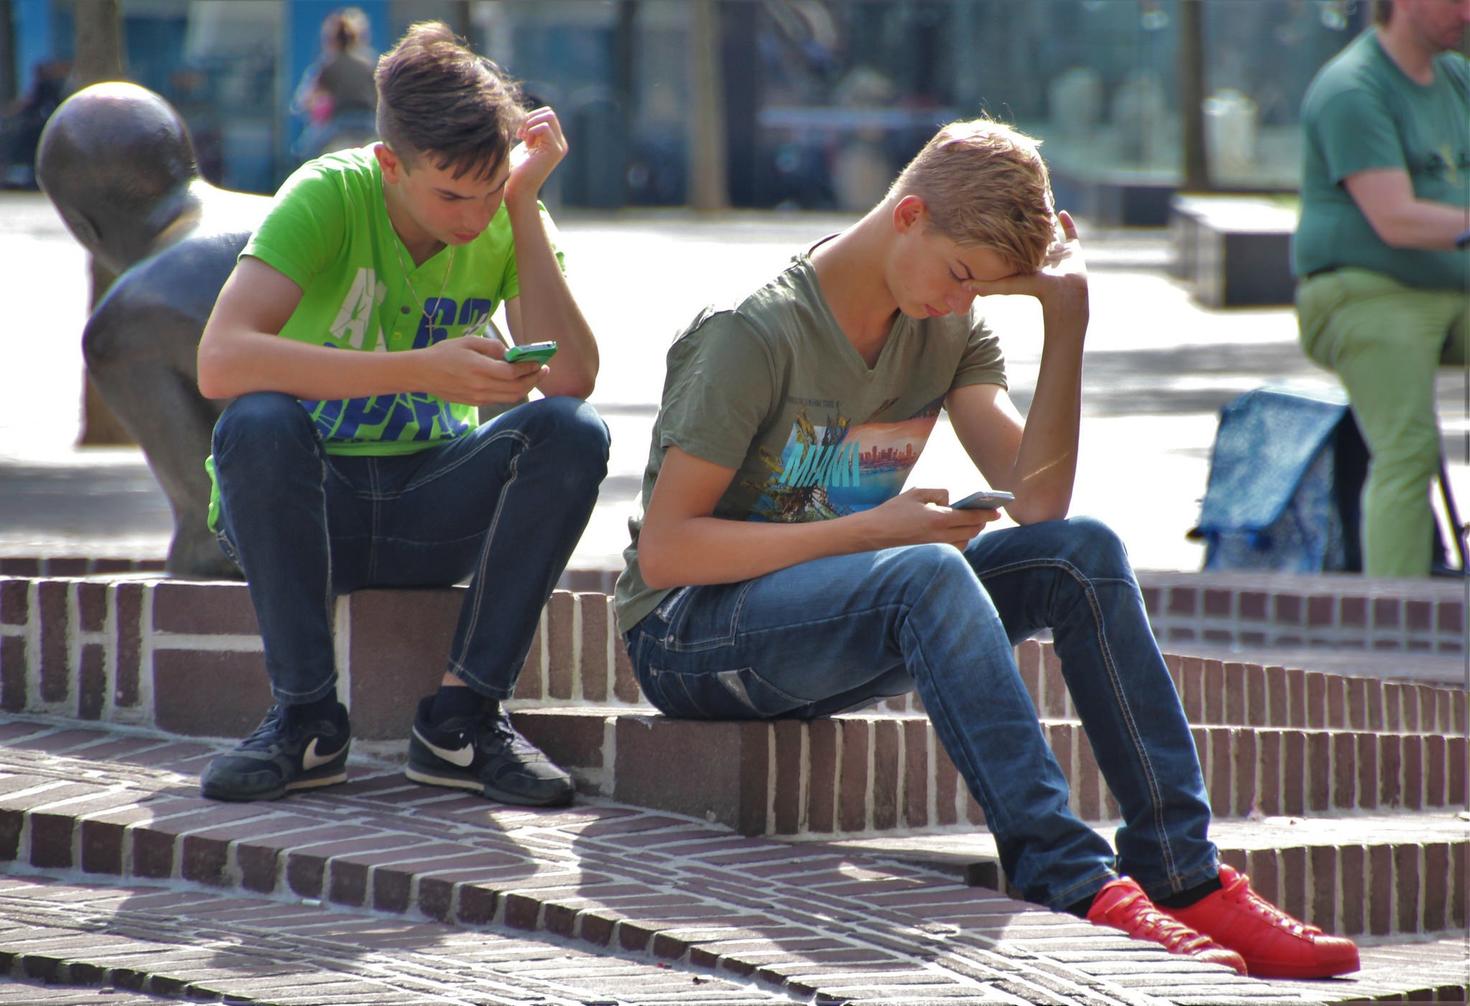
(118,163)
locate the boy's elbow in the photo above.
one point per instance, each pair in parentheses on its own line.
(212,375)
(1038,510)
(652,565)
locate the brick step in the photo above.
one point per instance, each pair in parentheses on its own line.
(1280,610)
(115,809)
(1391,876)
(134,651)
(883,771)
(106,806)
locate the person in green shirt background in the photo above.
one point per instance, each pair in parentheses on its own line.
(1383,296)
(351,336)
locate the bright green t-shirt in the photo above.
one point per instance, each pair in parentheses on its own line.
(774,389)
(1360,113)
(329,232)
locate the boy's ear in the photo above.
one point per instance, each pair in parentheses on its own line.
(389,161)
(908,212)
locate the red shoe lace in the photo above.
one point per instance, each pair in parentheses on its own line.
(1153,924)
(1240,892)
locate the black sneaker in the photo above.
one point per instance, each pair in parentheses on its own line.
(283,754)
(485,754)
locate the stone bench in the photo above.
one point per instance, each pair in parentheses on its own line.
(1233,251)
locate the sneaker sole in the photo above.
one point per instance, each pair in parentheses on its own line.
(1329,970)
(476,786)
(273,794)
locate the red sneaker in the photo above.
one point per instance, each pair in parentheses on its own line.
(1123,905)
(1273,944)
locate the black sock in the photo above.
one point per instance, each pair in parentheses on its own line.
(456,702)
(324,708)
(1081,908)
(1190,895)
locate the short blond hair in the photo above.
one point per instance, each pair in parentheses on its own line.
(985,183)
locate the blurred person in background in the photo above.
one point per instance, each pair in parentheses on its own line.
(1383,297)
(336,94)
(20,129)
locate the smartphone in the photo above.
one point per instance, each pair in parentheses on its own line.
(987,499)
(540,352)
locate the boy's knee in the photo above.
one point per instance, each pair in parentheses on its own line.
(578,430)
(1096,549)
(269,420)
(919,570)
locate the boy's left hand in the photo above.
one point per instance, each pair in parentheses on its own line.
(1060,283)
(541,149)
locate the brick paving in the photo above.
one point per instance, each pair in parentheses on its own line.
(381,890)
(203,945)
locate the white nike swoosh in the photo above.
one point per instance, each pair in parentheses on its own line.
(310,759)
(462,757)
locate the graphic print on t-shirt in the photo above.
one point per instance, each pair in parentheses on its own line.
(407,415)
(835,468)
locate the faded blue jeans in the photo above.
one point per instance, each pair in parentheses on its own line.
(503,505)
(839,633)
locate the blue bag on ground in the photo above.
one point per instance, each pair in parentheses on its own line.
(1286,472)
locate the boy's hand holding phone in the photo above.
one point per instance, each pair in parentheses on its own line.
(986,499)
(538,352)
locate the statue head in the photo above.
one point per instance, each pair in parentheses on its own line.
(117,162)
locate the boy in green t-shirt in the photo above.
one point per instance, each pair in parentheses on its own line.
(1383,296)
(780,570)
(351,337)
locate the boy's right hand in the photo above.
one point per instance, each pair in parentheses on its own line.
(922,516)
(473,371)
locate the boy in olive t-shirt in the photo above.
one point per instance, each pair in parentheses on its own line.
(779,569)
(351,336)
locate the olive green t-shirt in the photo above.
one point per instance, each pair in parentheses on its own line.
(773,389)
(1361,113)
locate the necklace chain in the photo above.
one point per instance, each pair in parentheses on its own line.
(423,305)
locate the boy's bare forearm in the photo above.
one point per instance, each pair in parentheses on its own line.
(549,311)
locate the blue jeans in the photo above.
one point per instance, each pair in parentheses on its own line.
(503,506)
(834,634)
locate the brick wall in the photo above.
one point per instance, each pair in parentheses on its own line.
(1299,611)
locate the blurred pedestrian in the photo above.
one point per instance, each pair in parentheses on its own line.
(20,128)
(1384,296)
(336,94)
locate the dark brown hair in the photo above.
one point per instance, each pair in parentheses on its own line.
(1382,10)
(437,97)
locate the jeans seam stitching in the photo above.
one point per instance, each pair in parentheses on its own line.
(474,452)
(480,579)
(1126,713)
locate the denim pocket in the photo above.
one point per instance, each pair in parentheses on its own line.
(736,694)
(706,617)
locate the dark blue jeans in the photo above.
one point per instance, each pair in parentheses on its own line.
(503,506)
(839,633)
